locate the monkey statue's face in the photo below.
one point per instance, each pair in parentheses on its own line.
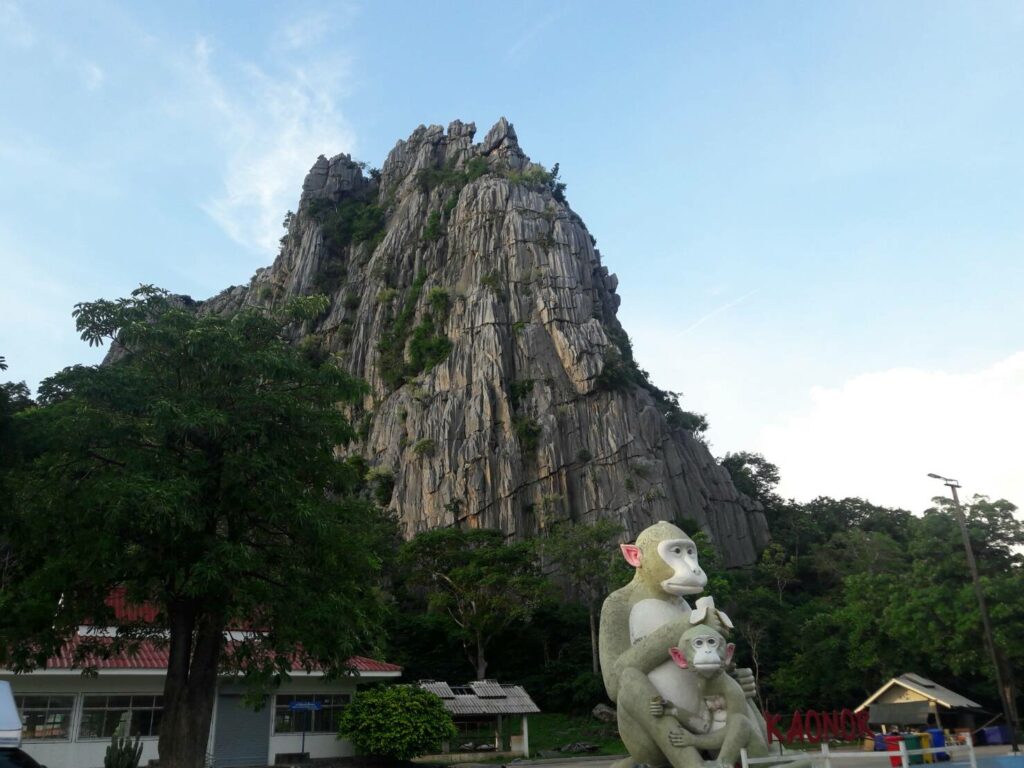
(685,576)
(666,558)
(702,649)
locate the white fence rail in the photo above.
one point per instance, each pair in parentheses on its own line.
(827,755)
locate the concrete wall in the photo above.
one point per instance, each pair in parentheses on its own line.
(317,744)
(88,753)
(85,753)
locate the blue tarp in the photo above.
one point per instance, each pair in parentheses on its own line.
(10,723)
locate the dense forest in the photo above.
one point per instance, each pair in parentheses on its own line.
(847,595)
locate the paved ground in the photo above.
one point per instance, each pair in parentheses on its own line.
(876,760)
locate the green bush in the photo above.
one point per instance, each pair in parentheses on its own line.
(440,302)
(433,230)
(447,175)
(424,447)
(620,372)
(427,345)
(351,220)
(492,281)
(519,391)
(536,175)
(528,431)
(382,484)
(329,276)
(400,721)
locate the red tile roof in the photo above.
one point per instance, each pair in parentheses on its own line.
(151,656)
(129,612)
(363,664)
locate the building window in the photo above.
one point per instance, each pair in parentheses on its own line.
(323,720)
(101,715)
(45,717)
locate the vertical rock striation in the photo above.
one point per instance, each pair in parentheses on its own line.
(470,297)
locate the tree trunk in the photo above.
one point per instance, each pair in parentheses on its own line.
(481,662)
(191,685)
(595,663)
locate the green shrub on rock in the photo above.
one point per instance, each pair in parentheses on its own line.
(399,721)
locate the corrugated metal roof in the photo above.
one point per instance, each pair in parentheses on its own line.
(923,687)
(467,700)
(488,689)
(437,688)
(935,691)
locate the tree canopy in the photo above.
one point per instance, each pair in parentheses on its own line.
(476,581)
(196,471)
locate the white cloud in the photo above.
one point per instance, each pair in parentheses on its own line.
(15,29)
(271,130)
(879,434)
(92,75)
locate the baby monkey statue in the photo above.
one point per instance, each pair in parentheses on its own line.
(704,650)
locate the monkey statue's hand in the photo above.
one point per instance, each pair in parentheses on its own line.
(680,738)
(657,707)
(745,677)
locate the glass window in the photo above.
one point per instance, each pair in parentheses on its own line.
(323,720)
(45,717)
(101,715)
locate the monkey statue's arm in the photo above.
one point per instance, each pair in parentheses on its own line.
(693,722)
(648,652)
(733,693)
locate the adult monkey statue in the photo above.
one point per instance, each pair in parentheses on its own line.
(639,623)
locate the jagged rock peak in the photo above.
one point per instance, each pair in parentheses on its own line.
(472,299)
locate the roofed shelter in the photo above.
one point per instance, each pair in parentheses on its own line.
(479,710)
(913,700)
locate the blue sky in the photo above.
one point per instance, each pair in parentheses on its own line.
(815,209)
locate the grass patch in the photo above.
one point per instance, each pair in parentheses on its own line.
(551,730)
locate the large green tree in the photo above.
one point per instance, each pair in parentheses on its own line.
(196,471)
(586,556)
(477,581)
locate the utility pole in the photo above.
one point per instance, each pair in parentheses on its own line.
(1005,691)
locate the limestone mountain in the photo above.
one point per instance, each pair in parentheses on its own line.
(503,391)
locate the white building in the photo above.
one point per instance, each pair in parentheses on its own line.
(68,719)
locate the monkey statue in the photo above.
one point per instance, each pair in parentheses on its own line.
(639,623)
(703,650)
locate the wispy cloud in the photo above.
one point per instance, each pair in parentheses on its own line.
(717,311)
(522,43)
(271,130)
(15,29)
(92,75)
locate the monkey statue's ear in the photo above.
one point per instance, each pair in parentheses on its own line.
(632,554)
(678,657)
(730,649)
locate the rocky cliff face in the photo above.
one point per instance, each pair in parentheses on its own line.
(470,297)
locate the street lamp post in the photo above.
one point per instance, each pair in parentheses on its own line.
(990,643)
